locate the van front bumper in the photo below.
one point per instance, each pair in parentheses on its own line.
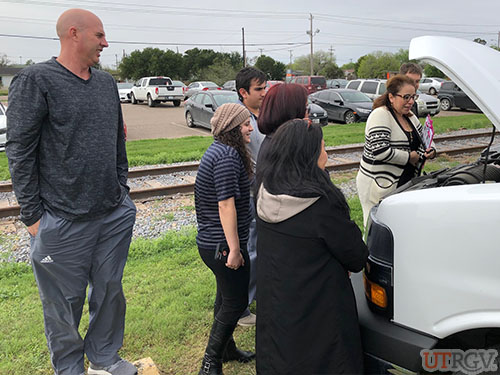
(387,346)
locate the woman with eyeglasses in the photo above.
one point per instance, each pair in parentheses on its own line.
(394,152)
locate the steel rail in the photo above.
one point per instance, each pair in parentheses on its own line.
(189,187)
(193,166)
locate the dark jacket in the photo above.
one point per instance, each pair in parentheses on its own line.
(307,318)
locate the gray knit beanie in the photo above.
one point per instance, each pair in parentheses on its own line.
(227,117)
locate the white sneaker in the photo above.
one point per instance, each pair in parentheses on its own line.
(248,321)
(122,367)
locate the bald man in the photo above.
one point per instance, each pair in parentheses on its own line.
(67,159)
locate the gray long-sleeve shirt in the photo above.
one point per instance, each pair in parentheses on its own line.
(65,143)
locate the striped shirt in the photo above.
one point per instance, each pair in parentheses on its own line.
(387,147)
(221,175)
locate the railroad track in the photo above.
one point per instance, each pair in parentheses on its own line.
(339,165)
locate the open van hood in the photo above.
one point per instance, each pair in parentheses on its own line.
(475,68)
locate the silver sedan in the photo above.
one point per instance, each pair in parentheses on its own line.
(198,86)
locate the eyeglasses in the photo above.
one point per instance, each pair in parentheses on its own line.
(408,97)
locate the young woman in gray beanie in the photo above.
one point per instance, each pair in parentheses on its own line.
(222,192)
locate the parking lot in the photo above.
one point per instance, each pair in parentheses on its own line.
(167,121)
(162,121)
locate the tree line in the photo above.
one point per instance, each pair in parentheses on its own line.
(206,64)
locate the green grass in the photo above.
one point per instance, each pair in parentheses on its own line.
(4,92)
(166,151)
(336,135)
(170,294)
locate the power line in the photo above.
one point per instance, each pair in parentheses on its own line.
(412,28)
(411,21)
(150,9)
(163,43)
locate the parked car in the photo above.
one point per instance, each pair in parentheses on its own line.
(430,289)
(180,84)
(311,83)
(344,105)
(426,105)
(199,109)
(371,87)
(3,128)
(337,83)
(125,91)
(316,114)
(452,96)
(430,85)
(229,85)
(200,86)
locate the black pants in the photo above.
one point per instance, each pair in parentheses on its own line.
(232,286)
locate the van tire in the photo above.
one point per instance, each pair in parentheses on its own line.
(133,100)
(496,361)
(151,102)
(177,103)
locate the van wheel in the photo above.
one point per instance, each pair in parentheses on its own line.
(133,100)
(151,102)
(349,117)
(445,104)
(496,362)
(189,120)
(177,103)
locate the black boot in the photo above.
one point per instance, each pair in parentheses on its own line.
(219,336)
(232,353)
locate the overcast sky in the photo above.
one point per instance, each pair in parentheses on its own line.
(276,28)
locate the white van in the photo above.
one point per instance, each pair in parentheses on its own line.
(432,280)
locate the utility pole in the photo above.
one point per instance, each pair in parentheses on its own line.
(311,33)
(243,42)
(499,40)
(20,60)
(116,61)
(261,49)
(290,56)
(331,52)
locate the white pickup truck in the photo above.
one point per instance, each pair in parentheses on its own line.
(156,90)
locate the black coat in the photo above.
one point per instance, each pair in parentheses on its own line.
(307,320)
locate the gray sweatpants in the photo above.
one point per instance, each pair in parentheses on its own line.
(67,256)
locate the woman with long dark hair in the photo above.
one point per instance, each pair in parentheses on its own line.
(222,196)
(394,152)
(307,319)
